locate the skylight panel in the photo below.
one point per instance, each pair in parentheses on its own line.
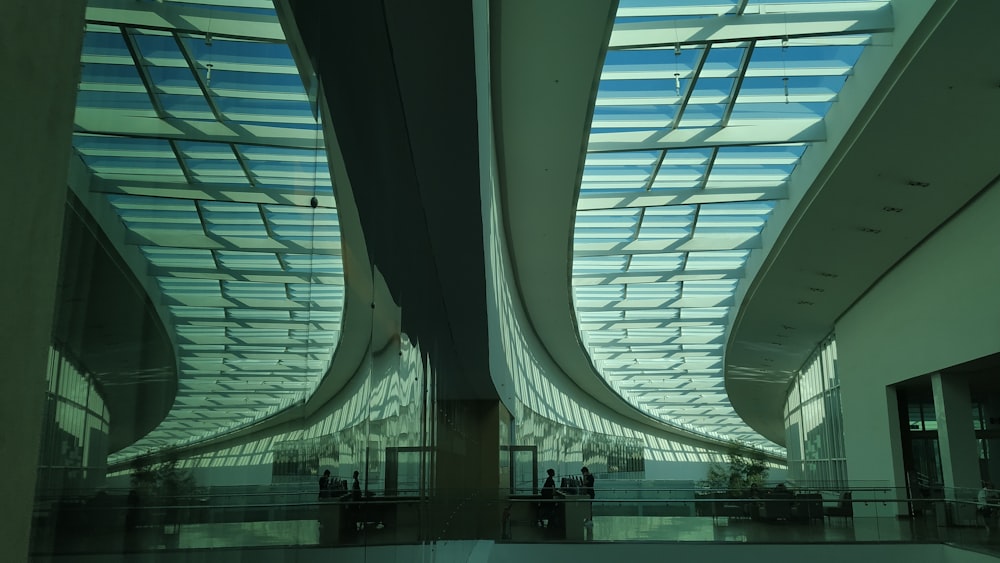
(647,8)
(704,313)
(183,258)
(663,314)
(110,77)
(182,312)
(201,334)
(239,5)
(654,291)
(254,290)
(315,171)
(664,262)
(760,155)
(599,264)
(104,41)
(242,260)
(259,314)
(716,260)
(176,287)
(134,166)
(235,51)
(807,6)
(258,335)
(601,316)
(629,117)
(135,101)
(316,316)
(657,226)
(703,115)
(319,264)
(147,214)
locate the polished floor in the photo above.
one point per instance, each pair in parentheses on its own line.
(602,529)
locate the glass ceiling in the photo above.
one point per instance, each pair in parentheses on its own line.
(703,111)
(194,123)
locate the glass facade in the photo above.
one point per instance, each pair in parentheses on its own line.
(75,442)
(814,422)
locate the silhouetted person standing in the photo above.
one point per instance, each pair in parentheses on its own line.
(324,485)
(356,487)
(587,487)
(547,508)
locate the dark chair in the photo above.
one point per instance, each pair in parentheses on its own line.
(777,505)
(808,507)
(844,508)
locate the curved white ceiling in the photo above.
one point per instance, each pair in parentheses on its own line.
(195,127)
(703,110)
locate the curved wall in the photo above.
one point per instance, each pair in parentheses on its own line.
(530,383)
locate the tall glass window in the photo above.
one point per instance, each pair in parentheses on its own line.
(814,422)
(75,441)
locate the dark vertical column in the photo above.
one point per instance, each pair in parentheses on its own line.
(399,80)
(40,54)
(466,490)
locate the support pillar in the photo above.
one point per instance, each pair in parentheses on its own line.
(40,53)
(956,436)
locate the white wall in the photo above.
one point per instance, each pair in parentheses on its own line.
(939,307)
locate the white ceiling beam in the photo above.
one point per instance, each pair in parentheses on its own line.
(648,304)
(731,28)
(231,274)
(681,197)
(641,324)
(173,239)
(210,192)
(185,18)
(695,244)
(762,133)
(128,123)
(655,277)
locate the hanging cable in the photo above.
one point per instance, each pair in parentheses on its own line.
(784,56)
(677,72)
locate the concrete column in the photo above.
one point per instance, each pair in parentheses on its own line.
(956,436)
(40,54)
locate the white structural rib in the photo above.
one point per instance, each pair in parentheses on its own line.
(764,133)
(126,123)
(185,18)
(748,27)
(681,197)
(210,192)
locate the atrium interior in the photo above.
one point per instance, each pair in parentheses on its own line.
(296,274)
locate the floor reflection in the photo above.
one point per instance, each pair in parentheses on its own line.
(248,534)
